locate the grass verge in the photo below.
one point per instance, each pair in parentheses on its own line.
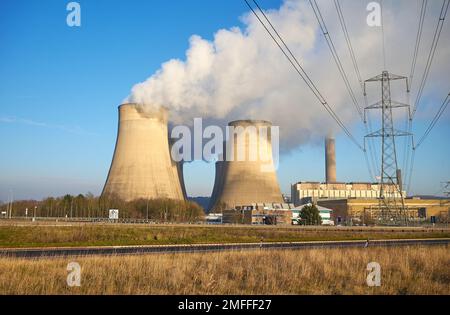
(104,235)
(404,270)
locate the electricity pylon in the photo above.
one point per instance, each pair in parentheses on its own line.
(446,188)
(391,199)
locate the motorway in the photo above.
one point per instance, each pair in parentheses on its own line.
(53,252)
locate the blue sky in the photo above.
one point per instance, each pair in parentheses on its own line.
(60,87)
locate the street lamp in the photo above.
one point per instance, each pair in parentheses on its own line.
(11,204)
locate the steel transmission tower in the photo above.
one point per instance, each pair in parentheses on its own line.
(391,200)
(446,189)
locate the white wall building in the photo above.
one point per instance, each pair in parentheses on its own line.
(304,192)
(324,213)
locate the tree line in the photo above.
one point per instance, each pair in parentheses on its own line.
(90,206)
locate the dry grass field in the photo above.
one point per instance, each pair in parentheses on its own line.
(25,234)
(404,270)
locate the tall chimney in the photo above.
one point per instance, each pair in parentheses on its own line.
(330,160)
(142,166)
(399,179)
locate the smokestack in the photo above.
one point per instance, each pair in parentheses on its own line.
(142,166)
(247,181)
(399,179)
(330,160)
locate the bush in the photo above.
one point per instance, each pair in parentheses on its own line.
(310,215)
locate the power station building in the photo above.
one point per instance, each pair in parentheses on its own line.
(246,188)
(360,202)
(304,192)
(260,214)
(365,210)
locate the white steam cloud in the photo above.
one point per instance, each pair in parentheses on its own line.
(242,74)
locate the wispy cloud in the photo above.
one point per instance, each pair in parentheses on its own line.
(66,128)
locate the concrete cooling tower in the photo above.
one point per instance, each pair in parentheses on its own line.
(245,181)
(142,166)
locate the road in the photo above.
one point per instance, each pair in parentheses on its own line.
(152,249)
(58,222)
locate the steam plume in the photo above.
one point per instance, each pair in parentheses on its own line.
(242,74)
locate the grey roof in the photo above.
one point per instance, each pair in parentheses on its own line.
(320,208)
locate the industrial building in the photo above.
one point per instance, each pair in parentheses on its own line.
(142,166)
(304,192)
(325,214)
(243,181)
(365,210)
(359,203)
(270,214)
(312,192)
(214,218)
(259,214)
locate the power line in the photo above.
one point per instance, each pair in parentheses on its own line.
(410,153)
(423,10)
(434,120)
(411,168)
(368,165)
(434,44)
(407,149)
(367,123)
(347,40)
(373,150)
(371,172)
(382,35)
(422,14)
(425,135)
(437,34)
(299,69)
(408,142)
(336,58)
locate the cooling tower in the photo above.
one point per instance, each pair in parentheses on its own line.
(142,166)
(249,177)
(330,160)
(218,181)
